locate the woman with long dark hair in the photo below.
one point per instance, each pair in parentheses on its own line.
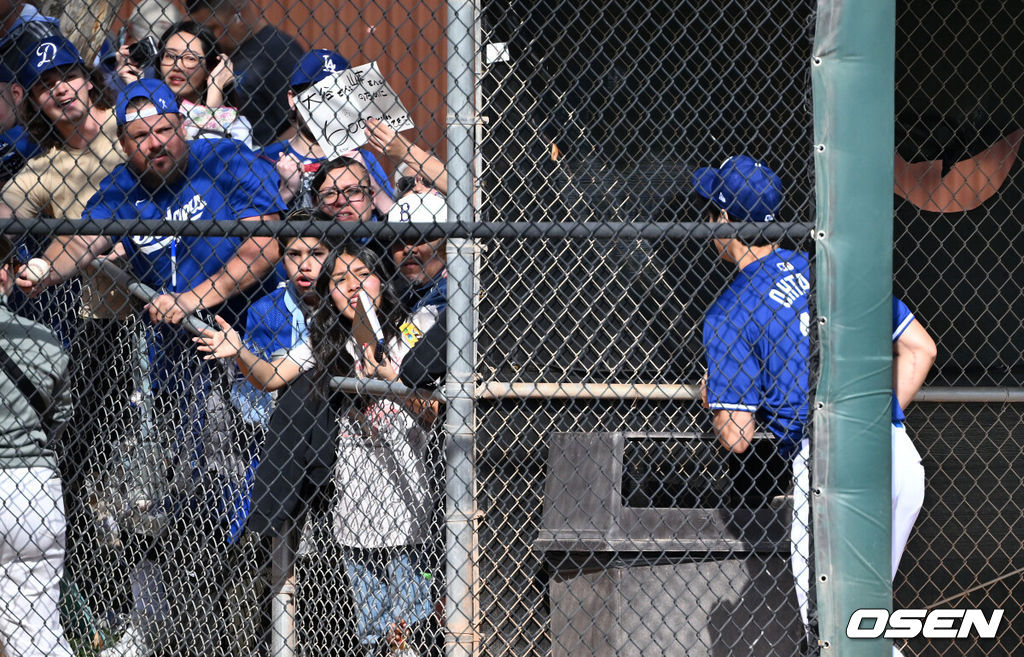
(383,473)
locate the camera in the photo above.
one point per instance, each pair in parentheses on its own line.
(143,53)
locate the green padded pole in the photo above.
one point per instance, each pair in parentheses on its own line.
(852,80)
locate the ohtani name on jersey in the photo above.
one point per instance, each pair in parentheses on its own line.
(192,210)
(789,289)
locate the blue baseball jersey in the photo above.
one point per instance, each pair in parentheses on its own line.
(274,323)
(757,345)
(223,180)
(16,148)
(901,319)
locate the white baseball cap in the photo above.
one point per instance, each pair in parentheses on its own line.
(428,208)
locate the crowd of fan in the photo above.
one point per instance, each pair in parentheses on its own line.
(194,118)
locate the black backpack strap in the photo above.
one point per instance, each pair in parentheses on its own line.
(25,385)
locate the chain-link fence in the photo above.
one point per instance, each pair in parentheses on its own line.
(575,420)
(956,240)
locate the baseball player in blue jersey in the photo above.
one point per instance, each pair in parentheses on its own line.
(756,337)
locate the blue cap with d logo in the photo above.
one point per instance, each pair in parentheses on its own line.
(52,52)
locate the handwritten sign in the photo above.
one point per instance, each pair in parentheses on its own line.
(337,107)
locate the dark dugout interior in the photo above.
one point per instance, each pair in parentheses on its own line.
(958,92)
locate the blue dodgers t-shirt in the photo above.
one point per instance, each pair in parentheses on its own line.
(757,345)
(901,319)
(223,180)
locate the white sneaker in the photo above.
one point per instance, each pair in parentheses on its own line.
(130,644)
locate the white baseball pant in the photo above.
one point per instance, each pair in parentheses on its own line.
(32,529)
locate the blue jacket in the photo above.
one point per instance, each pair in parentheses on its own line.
(274,323)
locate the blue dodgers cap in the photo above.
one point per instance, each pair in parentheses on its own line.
(316,65)
(743,187)
(41,56)
(152,90)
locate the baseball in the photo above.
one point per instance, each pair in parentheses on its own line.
(35,270)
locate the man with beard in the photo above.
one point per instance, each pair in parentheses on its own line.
(422,262)
(169,178)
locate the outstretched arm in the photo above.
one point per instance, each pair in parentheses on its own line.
(227,343)
(388,142)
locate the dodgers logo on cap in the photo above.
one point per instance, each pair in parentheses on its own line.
(428,208)
(316,65)
(744,187)
(42,56)
(45,52)
(155,91)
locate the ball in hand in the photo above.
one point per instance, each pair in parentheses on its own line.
(36,270)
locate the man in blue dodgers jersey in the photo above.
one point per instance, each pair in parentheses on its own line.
(756,337)
(169,178)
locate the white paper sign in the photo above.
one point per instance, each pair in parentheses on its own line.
(336,108)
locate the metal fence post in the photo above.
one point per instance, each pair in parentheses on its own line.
(283,640)
(460,473)
(852,77)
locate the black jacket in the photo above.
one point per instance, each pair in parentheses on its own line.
(298,457)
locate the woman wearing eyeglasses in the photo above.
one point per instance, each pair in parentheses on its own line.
(200,76)
(343,190)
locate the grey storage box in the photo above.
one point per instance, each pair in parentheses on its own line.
(628,580)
